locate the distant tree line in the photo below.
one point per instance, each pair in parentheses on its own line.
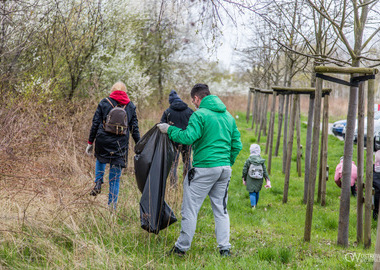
(63,49)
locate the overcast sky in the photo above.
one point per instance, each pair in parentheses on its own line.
(235,36)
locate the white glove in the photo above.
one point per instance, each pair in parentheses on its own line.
(89,149)
(163,127)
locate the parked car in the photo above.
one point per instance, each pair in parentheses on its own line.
(376,119)
(338,126)
(376,141)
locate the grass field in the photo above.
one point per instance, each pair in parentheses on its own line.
(64,228)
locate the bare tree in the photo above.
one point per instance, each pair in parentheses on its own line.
(20,21)
(344,17)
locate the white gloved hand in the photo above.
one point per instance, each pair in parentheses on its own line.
(89,149)
(163,127)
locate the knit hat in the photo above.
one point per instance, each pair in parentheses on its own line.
(377,161)
(341,158)
(254,149)
(173,96)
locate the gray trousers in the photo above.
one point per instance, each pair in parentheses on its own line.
(214,183)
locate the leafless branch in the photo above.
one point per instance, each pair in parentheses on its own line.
(323,58)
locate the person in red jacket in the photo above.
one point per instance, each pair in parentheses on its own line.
(109,147)
(354,176)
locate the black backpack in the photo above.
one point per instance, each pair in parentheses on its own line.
(117,120)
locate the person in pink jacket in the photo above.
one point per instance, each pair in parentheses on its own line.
(354,176)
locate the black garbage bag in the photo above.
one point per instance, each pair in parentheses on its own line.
(153,160)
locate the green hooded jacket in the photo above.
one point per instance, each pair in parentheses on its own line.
(254,185)
(213,133)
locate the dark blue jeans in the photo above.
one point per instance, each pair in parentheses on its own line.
(254,197)
(114,181)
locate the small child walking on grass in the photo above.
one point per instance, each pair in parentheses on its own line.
(254,172)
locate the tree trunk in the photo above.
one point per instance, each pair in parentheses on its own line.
(324,152)
(320,167)
(259,112)
(299,146)
(285,134)
(265,115)
(308,146)
(248,105)
(314,160)
(281,101)
(344,210)
(254,108)
(160,80)
(360,164)
(369,165)
(271,133)
(290,147)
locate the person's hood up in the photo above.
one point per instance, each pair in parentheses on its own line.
(173,96)
(254,149)
(178,105)
(120,96)
(176,102)
(212,103)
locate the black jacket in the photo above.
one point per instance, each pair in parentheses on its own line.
(177,114)
(109,147)
(376,180)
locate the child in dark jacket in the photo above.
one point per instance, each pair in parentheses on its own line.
(254,172)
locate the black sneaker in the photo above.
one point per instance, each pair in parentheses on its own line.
(225,253)
(177,251)
(97,189)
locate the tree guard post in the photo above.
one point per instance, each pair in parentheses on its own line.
(346,171)
(319,192)
(281,100)
(314,159)
(267,93)
(263,109)
(289,147)
(308,146)
(248,105)
(369,164)
(271,133)
(254,108)
(323,153)
(266,115)
(263,115)
(298,128)
(265,99)
(285,134)
(360,164)
(259,112)
(324,147)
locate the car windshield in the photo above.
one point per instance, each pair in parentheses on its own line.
(376,116)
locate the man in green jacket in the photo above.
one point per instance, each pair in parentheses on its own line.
(216,143)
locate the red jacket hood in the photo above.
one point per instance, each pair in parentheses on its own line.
(120,96)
